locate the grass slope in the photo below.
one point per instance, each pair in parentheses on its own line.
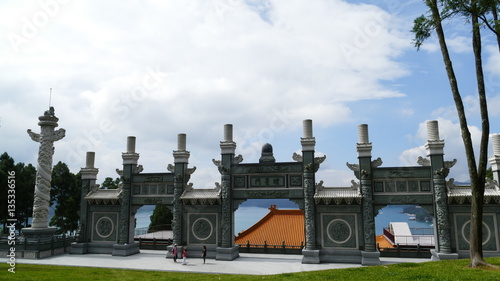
(442,270)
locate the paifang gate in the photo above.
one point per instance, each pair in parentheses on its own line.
(339,222)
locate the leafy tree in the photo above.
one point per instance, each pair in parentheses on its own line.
(474,11)
(24,177)
(25,187)
(6,165)
(65,195)
(109,183)
(161,216)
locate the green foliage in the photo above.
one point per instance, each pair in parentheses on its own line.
(65,195)
(109,183)
(489,173)
(422,27)
(161,216)
(24,177)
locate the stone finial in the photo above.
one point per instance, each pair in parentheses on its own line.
(267,154)
(307,128)
(228,132)
(131,144)
(363,134)
(495,140)
(90,159)
(181,142)
(432,130)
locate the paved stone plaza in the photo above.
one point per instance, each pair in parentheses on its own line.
(252,264)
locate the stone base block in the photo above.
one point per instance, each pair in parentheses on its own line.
(340,256)
(79,248)
(38,234)
(370,258)
(437,256)
(310,256)
(125,249)
(227,254)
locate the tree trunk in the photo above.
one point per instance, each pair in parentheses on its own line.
(478,181)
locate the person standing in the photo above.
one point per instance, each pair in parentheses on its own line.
(184,256)
(204,253)
(174,252)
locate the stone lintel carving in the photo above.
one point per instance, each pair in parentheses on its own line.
(171,168)
(423,161)
(450,164)
(237,159)
(190,171)
(355,185)
(297,157)
(352,167)
(377,162)
(492,184)
(137,169)
(319,186)
(217,162)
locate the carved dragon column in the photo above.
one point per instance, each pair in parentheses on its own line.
(227,250)
(370,255)
(130,159)
(310,252)
(435,150)
(181,158)
(46,138)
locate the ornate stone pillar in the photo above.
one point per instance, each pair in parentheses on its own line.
(370,255)
(310,252)
(441,201)
(435,151)
(181,159)
(40,223)
(130,159)
(46,138)
(227,250)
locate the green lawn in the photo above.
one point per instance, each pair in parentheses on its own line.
(443,270)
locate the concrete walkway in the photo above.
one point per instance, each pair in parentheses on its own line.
(252,264)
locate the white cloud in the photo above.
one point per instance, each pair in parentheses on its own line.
(155,69)
(459,44)
(454,148)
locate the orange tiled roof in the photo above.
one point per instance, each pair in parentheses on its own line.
(277,226)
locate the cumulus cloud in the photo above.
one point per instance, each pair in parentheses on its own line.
(450,132)
(155,69)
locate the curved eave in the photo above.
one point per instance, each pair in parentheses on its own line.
(462,195)
(337,196)
(201,197)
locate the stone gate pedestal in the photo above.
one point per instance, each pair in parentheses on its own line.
(227,254)
(437,256)
(310,256)
(370,258)
(125,249)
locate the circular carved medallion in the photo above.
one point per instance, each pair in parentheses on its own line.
(104,227)
(339,231)
(202,229)
(466,232)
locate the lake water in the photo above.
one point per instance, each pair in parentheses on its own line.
(245,217)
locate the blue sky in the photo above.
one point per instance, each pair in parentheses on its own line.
(158,68)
